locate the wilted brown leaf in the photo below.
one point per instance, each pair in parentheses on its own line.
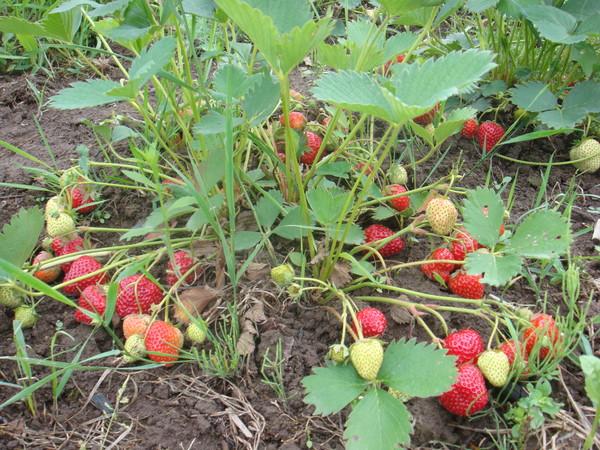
(193,301)
(257,271)
(340,275)
(203,249)
(252,316)
(321,253)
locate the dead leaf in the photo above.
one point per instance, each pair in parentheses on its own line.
(400,315)
(257,313)
(340,275)
(193,301)
(257,271)
(245,344)
(220,269)
(596,236)
(204,248)
(245,221)
(321,253)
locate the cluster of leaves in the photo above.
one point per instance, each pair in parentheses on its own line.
(542,235)
(378,420)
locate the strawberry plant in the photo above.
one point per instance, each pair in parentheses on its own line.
(377,419)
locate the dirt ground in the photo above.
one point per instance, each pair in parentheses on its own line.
(179,408)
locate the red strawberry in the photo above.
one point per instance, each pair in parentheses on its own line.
(465,344)
(509,348)
(427,118)
(441,269)
(543,327)
(313,142)
(372,322)
(83,266)
(468,395)
(63,247)
(297,120)
(136,295)
(462,244)
(164,338)
(489,134)
(378,232)
(49,274)
(470,128)
(181,263)
(399,203)
(399,59)
(136,324)
(92,298)
(465,285)
(79,197)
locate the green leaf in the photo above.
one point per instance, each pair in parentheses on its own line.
(62,26)
(293,225)
(378,422)
(268,208)
(151,61)
(399,7)
(354,236)
(543,235)
(86,94)
(478,6)
(214,123)
(327,205)
(16,25)
(70,4)
(536,135)
(262,99)
(497,269)
(554,24)
(231,81)
(243,240)
(331,388)
(590,365)
(286,15)
(383,212)
(19,237)
(417,368)
(486,229)
(533,96)
(452,124)
(434,81)
(355,91)
(202,8)
(337,169)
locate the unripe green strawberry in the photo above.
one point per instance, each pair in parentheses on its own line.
(282,275)
(441,214)
(54,205)
(494,366)
(338,353)
(589,148)
(399,395)
(26,315)
(134,348)
(397,174)
(196,332)
(70,176)
(9,297)
(367,356)
(59,224)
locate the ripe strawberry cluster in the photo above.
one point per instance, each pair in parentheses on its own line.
(469,393)
(297,121)
(85,277)
(488,133)
(441,268)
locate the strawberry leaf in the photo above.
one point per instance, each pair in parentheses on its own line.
(378,422)
(497,270)
(331,388)
(483,227)
(417,369)
(542,235)
(19,237)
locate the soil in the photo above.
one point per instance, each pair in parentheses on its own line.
(179,407)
